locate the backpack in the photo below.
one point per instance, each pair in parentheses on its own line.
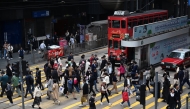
(75,81)
(125,96)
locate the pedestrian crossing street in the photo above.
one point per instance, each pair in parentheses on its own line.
(70,103)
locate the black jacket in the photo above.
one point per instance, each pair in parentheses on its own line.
(91,80)
(85,88)
(9,72)
(125,82)
(177,94)
(92,102)
(38,74)
(171,100)
(54,75)
(103,64)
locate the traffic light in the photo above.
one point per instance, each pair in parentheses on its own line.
(153,90)
(24,67)
(141,93)
(15,67)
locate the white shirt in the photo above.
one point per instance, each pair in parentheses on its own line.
(104,89)
(72,40)
(10,48)
(37,92)
(107,79)
(86,66)
(109,69)
(128,82)
(42,46)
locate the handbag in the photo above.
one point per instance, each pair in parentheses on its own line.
(45,85)
(83,99)
(61,89)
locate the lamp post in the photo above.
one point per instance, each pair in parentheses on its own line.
(21,83)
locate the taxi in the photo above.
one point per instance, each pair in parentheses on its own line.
(176,58)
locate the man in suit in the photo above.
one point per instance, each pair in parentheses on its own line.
(38,78)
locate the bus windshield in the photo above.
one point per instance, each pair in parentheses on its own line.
(115,24)
(115,45)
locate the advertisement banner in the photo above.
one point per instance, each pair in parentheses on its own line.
(147,29)
(159,50)
(188,2)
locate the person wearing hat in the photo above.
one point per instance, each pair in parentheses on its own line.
(38,78)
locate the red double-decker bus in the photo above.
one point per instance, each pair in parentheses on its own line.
(122,23)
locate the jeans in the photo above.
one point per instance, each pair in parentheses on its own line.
(17,90)
(128,102)
(135,88)
(32,86)
(77,88)
(185,81)
(95,85)
(28,88)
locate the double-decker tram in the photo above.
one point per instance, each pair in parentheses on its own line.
(121,25)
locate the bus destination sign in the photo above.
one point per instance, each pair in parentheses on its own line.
(121,13)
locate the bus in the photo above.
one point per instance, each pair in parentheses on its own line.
(121,24)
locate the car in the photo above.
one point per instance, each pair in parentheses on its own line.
(176,58)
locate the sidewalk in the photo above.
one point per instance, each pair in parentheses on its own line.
(36,59)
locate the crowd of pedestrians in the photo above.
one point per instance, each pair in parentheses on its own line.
(84,77)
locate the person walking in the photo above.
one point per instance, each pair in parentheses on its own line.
(50,87)
(152,73)
(91,83)
(55,92)
(186,77)
(70,87)
(4,81)
(15,82)
(104,92)
(177,92)
(10,51)
(181,77)
(171,101)
(37,96)
(92,102)
(166,88)
(115,83)
(84,93)
(29,83)
(121,69)
(125,95)
(135,82)
(38,78)
(9,92)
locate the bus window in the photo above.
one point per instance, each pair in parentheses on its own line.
(109,23)
(140,22)
(150,20)
(110,44)
(123,24)
(145,21)
(134,23)
(115,24)
(130,25)
(115,45)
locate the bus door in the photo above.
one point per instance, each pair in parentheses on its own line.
(144,56)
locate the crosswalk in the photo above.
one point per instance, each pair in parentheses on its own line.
(70,103)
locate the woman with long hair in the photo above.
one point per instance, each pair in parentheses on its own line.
(37,96)
(122,71)
(55,92)
(114,83)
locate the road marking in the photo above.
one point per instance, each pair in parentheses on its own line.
(117,102)
(110,97)
(78,103)
(19,98)
(183,97)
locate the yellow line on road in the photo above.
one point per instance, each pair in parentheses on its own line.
(78,103)
(117,102)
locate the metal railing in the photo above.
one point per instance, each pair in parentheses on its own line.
(85,46)
(187,102)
